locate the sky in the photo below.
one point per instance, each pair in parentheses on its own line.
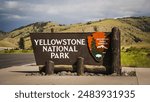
(16,13)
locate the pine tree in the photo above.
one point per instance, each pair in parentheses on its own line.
(94,50)
(21,43)
(95,28)
(93,46)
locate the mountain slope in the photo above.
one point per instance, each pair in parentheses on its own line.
(135,31)
(3,35)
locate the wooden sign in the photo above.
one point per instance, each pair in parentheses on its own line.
(65,48)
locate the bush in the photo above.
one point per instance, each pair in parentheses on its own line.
(88,23)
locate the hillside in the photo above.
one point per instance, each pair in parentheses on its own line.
(135,31)
(3,35)
(2,42)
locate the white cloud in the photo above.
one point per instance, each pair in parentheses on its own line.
(10,4)
(79,8)
(72,11)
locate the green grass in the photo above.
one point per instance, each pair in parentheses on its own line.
(12,51)
(135,57)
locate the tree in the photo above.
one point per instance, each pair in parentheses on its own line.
(95,28)
(21,43)
(93,47)
(95,51)
(52,30)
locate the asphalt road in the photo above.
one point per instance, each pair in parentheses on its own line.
(8,60)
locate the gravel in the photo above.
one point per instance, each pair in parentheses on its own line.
(68,73)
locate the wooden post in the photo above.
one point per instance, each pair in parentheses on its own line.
(115,47)
(49,67)
(80,66)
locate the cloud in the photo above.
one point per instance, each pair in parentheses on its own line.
(12,16)
(11,4)
(71,11)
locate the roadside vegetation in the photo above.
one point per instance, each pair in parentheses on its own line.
(135,57)
(16,51)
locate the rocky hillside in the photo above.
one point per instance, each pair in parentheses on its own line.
(135,31)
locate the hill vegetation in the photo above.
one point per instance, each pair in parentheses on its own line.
(135,34)
(135,31)
(3,35)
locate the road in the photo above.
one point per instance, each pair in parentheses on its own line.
(8,60)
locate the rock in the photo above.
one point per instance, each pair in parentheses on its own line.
(114,74)
(63,73)
(125,74)
(69,73)
(100,75)
(59,74)
(28,74)
(55,74)
(90,74)
(43,74)
(86,74)
(95,74)
(35,74)
(73,74)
